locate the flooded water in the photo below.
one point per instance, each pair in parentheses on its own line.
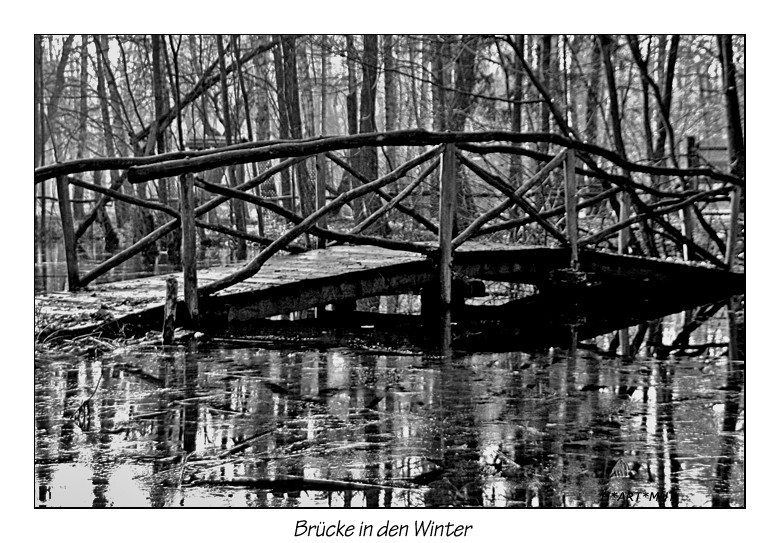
(213,425)
(50,268)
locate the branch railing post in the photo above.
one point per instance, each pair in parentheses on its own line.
(686,215)
(448,197)
(623,237)
(733,232)
(570,191)
(169,315)
(68,234)
(188,249)
(625,213)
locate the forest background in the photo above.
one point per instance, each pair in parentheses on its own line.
(662,100)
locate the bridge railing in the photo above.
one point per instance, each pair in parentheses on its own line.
(557,197)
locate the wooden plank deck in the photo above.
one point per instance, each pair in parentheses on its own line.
(289,283)
(126,301)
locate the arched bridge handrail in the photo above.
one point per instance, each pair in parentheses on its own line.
(167,165)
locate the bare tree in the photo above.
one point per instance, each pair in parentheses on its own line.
(391,92)
(238,208)
(292,103)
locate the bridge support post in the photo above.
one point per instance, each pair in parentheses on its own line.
(448,201)
(188,253)
(448,198)
(68,235)
(570,191)
(625,213)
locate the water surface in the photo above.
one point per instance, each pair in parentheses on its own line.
(209,424)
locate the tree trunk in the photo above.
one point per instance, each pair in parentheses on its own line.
(365,159)
(391,94)
(516,111)
(52,111)
(262,130)
(665,107)
(158,89)
(465,76)
(122,209)
(414,114)
(647,115)
(204,83)
(440,72)
(517,90)
(38,97)
(606,42)
(352,88)
(462,103)
(614,102)
(594,95)
(174,81)
(40,224)
(736,146)
(171,242)
(284,123)
(292,103)
(736,141)
(323,171)
(109,234)
(592,110)
(439,107)
(544,69)
(78,192)
(242,85)
(347,182)
(237,207)
(196,51)
(112,240)
(306,88)
(247,113)
(48,115)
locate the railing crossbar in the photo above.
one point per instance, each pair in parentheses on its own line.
(514,195)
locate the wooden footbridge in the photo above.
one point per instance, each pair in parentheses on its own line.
(502,211)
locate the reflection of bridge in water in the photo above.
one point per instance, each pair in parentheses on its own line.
(572,203)
(219,426)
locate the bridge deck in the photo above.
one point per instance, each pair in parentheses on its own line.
(295,282)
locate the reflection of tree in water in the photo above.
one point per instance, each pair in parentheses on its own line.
(45,446)
(665,436)
(721,492)
(554,428)
(457,441)
(191,408)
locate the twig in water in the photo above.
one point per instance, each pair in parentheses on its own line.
(85,403)
(245,444)
(183,465)
(289,482)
